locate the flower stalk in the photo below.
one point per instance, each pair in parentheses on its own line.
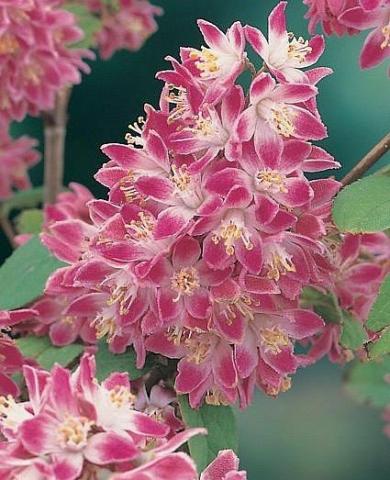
(55,132)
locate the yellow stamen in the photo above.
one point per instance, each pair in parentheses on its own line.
(121,396)
(137,128)
(279,265)
(180,177)
(272,180)
(8,44)
(177,96)
(229,232)
(142,229)
(185,281)
(273,339)
(73,431)
(207,61)
(298,48)
(216,397)
(282,120)
(386,34)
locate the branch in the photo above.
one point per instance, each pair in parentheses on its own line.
(55,131)
(368,160)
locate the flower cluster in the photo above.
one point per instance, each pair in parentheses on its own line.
(360,263)
(35,60)
(71,426)
(351,16)
(16,157)
(126,24)
(211,229)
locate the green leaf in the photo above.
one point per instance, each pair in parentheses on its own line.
(366,382)
(381,346)
(364,206)
(221,425)
(379,316)
(21,200)
(353,335)
(108,362)
(30,221)
(323,304)
(87,21)
(46,354)
(23,275)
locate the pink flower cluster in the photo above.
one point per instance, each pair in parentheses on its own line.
(351,16)
(72,427)
(16,157)
(360,263)
(211,229)
(127,24)
(35,60)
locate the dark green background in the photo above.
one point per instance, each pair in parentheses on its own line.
(314,431)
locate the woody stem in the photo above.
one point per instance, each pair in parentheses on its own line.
(55,132)
(368,160)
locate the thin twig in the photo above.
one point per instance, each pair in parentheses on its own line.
(368,160)
(7,229)
(55,132)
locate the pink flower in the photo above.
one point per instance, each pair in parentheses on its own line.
(326,13)
(11,361)
(35,60)
(16,157)
(224,467)
(284,54)
(273,114)
(72,424)
(127,25)
(376,47)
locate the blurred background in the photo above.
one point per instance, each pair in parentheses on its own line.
(314,430)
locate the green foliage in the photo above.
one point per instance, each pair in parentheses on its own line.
(30,221)
(324,304)
(21,200)
(46,354)
(379,316)
(364,206)
(87,21)
(366,382)
(107,362)
(381,346)
(353,333)
(221,425)
(23,275)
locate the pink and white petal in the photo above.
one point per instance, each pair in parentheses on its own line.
(238,197)
(61,392)
(319,160)
(209,277)
(246,355)
(215,254)
(67,466)
(294,154)
(371,4)
(372,53)
(277,32)
(257,41)
(226,461)
(261,87)
(157,188)
(87,305)
(252,258)
(259,285)
(174,465)
(364,274)
(62,332)
(186,252)
(171,221)
(317,46)
(124,155)
(38,435)
(141,424)
(168,308)
(213,36)
(301,323)
(191,375)
(231,329)
(236,37)
(231,107)
(268,144)
(157,150)
(246,125)
(294,93)
(110,448)
(306,125)
(298,193)
(283,362)
(198,304)
(223,181)
(178,440)
(266,209)
(361,19)
(224,369)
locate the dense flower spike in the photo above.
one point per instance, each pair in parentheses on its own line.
(211,230)
(16,157)
(36,58)
(352,16)
(126,24)
(72,427)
